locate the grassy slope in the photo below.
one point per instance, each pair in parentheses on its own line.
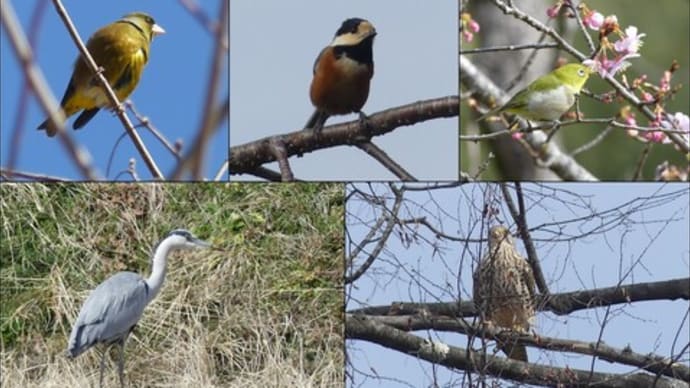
(266,312)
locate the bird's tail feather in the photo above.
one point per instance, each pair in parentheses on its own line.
(84,117)
(515,352)
(50,130)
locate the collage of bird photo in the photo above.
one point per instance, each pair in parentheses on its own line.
(309,193)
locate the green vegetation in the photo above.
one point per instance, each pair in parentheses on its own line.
(265,310)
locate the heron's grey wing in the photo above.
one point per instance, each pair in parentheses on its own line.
(109,313)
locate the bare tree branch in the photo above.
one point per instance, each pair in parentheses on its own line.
(245,158)
(382,157)
(81,157)
(370,329)
(559,304)
(520,218)
(391,219)
(650,362)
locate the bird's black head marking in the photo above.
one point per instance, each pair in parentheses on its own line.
(349,26)
(181,232)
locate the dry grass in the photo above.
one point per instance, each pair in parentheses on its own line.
(266,312)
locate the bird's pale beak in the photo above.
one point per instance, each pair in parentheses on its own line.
(201,243)
(157,30)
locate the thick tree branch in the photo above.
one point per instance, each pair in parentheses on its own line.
(650,362)
(370,329)
(245,158)
(559,304)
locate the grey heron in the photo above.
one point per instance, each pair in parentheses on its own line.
(114,307)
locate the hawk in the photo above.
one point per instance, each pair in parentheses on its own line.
(504,289)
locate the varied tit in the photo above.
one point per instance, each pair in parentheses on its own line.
(122,50)
(342,73)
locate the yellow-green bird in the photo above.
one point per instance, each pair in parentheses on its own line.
(122,50)
(549,96)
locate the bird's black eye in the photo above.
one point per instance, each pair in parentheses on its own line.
(581,72)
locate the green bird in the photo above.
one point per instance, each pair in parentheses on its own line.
(549,96)
(122,50)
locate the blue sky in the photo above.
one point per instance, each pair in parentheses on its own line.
(171,92)
(274,45)
(414,274)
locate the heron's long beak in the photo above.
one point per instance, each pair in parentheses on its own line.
(201,243)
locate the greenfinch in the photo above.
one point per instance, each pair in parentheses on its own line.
(122,50)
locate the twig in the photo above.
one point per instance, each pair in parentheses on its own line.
(280,154)
(512,47)
(152,128)
(382,157)
(392,219)
(195,157)
(8,174)
(81,157)
(222,170)
(519,215)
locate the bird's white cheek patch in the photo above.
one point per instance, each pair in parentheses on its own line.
(345,40)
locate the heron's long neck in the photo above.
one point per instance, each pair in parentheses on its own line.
(160,259)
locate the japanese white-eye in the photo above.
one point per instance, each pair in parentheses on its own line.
(548,97)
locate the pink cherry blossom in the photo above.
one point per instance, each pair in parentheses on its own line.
(630,43)
(593,20)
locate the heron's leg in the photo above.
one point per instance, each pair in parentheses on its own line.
(121,364)
(105,351)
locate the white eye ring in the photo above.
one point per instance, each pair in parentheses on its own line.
(581,72)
